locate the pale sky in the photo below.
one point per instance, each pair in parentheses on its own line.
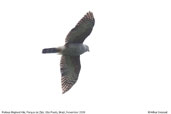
(127,70)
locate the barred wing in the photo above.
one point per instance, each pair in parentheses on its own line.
(81,30)
(70,68)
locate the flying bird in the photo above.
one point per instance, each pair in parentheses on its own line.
(70,61)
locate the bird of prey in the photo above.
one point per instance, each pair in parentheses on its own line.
(70,61)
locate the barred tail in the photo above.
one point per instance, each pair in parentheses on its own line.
(50,50)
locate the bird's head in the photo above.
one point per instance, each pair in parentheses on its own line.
(86,48)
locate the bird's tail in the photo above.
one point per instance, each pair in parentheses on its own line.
(51,50)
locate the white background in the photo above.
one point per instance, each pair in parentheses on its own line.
(127,70)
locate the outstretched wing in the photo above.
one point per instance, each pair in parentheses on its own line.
(70,68)
(81,30)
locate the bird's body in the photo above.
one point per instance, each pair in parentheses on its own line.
(71,51)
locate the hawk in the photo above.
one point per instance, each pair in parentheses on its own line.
(70,61)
